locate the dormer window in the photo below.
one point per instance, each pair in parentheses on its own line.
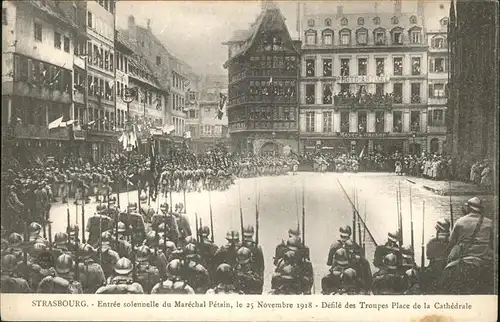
(376,21)
(345,37)
(438,43)
(310,22)
(328,22)
(394,20)
(413,20)
(361,21)
(397,36)
(444,22)
(415,35)
(327,37)
(310,37)
(344,21)
(379,36)
(362,36)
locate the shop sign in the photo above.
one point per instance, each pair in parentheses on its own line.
(79,134)
(362,135)
(356,79)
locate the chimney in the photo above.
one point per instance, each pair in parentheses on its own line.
(340,11)
(397,7)
(149,24)
(131,22)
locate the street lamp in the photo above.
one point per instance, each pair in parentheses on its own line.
(274,142)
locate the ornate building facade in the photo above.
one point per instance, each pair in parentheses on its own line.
(263,82)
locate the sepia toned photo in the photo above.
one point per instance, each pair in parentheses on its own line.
(249,148)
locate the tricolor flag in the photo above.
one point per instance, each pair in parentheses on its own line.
(222,106)
(56,123)
(167,129)
(362,153)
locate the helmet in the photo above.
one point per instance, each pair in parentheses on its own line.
(287,272)
(390,261)
(143,196)
(248,231)
(15,239)
(73,230)
(411,273)
(112,200)
(190,249)
(293,243)
(349,277)
(174,267)
(293,232)
(64,264)
(290,256)
(393,236)
(341,257)
(224,273)
(232,235)
(106,236)
(9,263)
(443,225)
(151,238)
(35,228)
(86,251)
(123,266)
(164,206)
(121,227)
(190,240)
(132,205)
(169,246)
(60,238)
(100,208)
(243,255)
(475,204)
(345,232)
(204,231)
(143,253)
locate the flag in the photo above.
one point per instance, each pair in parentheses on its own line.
(55,78)
(187,134)
(271,80)
(222,105)
(56,123)
(362,153)
(167,129)
(66,124)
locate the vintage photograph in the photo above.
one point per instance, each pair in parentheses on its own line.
(249,147)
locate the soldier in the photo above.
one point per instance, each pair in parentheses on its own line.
(109,257)
(96,224)
(331,283)
(282,248)
(344,242)
(436,252)
(391,246)
(63,282)
(182,223)
(135,222)
(91,274)
(60,245)
(304,265)
(122,282)
(164,217)
(349,282)
(388,279)
(227,253)
(257,258)
(145,210)
(288,281)
(174,284)
(9,282)
(34,231)
(207,249)
(197,275)
(121,246)
(15,241)
(224,279)
(247,279)
(147,275)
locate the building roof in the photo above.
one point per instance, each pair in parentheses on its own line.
(51,8)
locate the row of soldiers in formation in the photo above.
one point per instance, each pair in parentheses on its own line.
(266,165)
(130,252)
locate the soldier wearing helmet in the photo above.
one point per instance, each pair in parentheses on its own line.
(96,224)
(34,230)
(9,282)
(388,280)
(159,220)
(122,282)
(207,249)
(122,246)
(345,242)
(247,279)
(15,245)
(175,283)
(288,281)
(283,247)
(227,253)
(340,262)
(63,282)
(196,274)
(147,274)
(144,209)
(108,255)
(349,283)
(91,274)
(390,247)
(257,254)
(224,281)
(182,223)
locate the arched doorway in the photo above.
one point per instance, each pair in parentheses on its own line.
(269,148)
(434,145)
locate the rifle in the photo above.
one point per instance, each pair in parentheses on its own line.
(185,205)
(201,235)
(257,220)
(157,241)
(68,225)
(25,252)
(83,216)
(196,226)
(422,259)
(118,194)
(50,235)
(451,206)
(400,216)
(100,236)
(364,234)
(211,216)
(165,234)
(411,226)
(303,215)
(241,210)
(297,209)
(354,217)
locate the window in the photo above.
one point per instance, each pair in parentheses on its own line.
(397,37)
(437,65)
(415,37)
(311,38)
(398,66)
(415,65)
(344,22)
(437,90)
(327,122)
(4,17)
(444,22)
(344,67)
(344,122)
(344,88)
(328,22)
(362,37)
(398,93)
(38,31)
(310,68)
(397,121)
(310,93)
(361,21)
(438,43)
(345,38)
(415,93)
(379,89)
(89,20)
(380,62)
(158,60)
(394,20)
(376,21)
(379,37)
(437,118)
(362,66)
(379,122)
(415,121)
(111,61)
(310,22)
(413,20)
(57,40)
(327,67)
(66,44)
(327,38)
(309,121)
(362,128)
(327,94)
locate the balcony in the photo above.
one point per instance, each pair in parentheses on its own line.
(363,101)
(41,92)
(78,96)
(437,100)
(28,131)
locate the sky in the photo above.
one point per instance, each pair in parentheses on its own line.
(195,30)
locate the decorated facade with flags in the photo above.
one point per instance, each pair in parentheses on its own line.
(262,104)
